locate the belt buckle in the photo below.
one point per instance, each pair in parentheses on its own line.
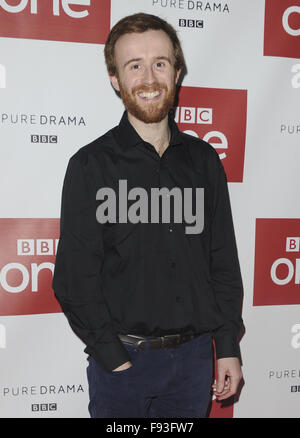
(141,344)
(138,342)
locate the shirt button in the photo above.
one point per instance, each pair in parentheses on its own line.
(178,299)
(170,229)
(173,264)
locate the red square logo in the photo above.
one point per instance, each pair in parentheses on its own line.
(27,258)
(277,262)
(83,21)
(282,28)
(218,116)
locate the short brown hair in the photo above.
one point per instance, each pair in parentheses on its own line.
(139,23)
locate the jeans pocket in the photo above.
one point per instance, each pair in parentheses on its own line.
(134,355)
(201,346)
(121,372)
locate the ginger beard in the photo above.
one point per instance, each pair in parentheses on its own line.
(148,110)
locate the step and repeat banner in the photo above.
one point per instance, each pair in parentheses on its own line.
(241,94)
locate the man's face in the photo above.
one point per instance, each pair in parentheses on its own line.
(146,76)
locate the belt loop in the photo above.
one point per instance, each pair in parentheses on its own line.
(163,341)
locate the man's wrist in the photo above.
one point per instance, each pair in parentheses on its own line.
(122,367)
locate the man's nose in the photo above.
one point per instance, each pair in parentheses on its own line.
(149,75)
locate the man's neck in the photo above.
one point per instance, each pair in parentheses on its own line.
(157,134)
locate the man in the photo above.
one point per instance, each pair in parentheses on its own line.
(148,294)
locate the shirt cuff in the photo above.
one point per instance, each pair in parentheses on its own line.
(109,355)
(226,343)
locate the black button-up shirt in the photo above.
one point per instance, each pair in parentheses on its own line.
(146,278)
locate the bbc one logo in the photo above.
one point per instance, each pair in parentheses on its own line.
(282,28)
(57,5)
(27,262)
(212,114)
(292,269)
(285,20)
(84,21)
(199,116)
(277,262)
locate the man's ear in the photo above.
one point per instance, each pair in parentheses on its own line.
(177,76)
(114,81)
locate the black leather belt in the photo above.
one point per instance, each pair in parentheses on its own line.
(167,341)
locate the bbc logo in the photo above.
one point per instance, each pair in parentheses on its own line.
(190,23)
(30,247)
(292,244)
(43,138)
(194,115)
(295,388)
(43,407)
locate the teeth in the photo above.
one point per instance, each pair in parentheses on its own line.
(149,95)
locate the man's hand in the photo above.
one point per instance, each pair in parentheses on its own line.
(122,367)
(229,377)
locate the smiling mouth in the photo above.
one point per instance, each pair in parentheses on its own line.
(149,95)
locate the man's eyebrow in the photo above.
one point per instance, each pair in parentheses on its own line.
(132,60)
(166,58)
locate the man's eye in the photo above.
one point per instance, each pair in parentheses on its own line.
(135,67)
(159,64)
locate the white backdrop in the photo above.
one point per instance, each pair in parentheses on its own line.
(57,86)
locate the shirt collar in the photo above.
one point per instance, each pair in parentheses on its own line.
(127,136)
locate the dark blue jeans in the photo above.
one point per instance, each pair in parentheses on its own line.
(161,383)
